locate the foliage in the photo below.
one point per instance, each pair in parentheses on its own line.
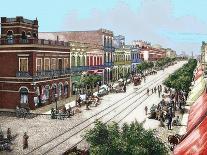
(130,139)
(90,80)
(149,65)
(182,78)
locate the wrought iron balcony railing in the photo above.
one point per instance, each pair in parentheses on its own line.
(11,41)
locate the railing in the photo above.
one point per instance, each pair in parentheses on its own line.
(57,73)
(136,61)
(11,41)
(108,64)
(109,48)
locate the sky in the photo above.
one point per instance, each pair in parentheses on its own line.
(177,24)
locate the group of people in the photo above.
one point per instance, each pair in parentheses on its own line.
(6,142)
(62,113)
(155,90)
(165,110)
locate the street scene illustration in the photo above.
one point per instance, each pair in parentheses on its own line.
(113,77)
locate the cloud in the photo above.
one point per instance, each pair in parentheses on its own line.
(153,21)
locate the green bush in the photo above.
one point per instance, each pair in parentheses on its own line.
(130,139)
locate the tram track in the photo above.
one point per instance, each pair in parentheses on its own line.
(116,114)
(59,141)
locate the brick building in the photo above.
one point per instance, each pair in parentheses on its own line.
(33,71)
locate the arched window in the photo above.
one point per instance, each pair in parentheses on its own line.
(29,34)
(24,37)
(73,61)
(34,35)
(9,37)
(24,95)
(78,61)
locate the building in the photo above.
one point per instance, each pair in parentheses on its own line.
(170,53)
(135,58)
(119,41)
(122,63)
(102,39)
(149,52)
(85,59)
(34,72)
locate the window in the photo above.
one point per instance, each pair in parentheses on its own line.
(39,64)
(53,63)
(10,37)
(47,64)
(66,64)
(24,95)
(23,64)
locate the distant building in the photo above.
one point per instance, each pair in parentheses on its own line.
(102,39)
(119,41)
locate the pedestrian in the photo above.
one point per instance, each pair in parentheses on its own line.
(25,140)
(146,109)
(9,137)
(169,124)
(144,79)
(152,90)
(125,88)
(155,89)
(159,93)
(148,91)
(160,88)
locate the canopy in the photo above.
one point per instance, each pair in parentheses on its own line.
(197,111)
(196,91)
(104,87)
(198,74)
(195,143)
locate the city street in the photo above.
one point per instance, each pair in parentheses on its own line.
(48,136)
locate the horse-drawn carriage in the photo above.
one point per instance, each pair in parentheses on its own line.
(137,80)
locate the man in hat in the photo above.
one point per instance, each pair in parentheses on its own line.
(25,140)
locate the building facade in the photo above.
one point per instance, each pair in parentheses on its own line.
(101,40)
(34,72)
(122,63)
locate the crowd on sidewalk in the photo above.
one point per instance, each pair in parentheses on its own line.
(171,102)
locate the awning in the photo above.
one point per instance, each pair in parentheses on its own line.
(198,74)
(197,112)
(196,91)
(195,143)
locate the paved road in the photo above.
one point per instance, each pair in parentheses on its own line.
(114,107)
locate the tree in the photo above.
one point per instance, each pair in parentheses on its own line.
(130,139)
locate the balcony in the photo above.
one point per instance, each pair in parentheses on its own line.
(44,74)
(109,48)
(108,64)
(136,61)
(33,41)
(85,68)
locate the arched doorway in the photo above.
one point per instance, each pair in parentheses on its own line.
(24,91)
